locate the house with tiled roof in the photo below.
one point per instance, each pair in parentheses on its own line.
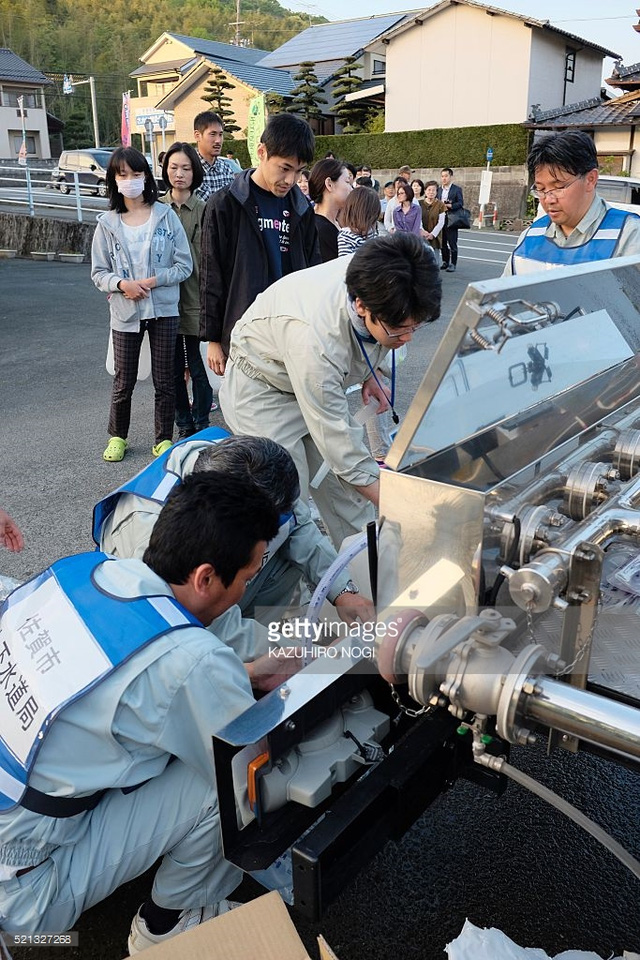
(612,123)
(18,79)
(328,45)
(461,63)
(172,78)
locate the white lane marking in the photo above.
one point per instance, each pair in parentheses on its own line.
(487,249)
(482,259)
(506,243)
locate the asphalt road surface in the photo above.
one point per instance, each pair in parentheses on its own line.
(513,863)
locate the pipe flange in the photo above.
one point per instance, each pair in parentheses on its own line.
(526,663)
(626,454)
(584,489)
(531,520)
(389,648)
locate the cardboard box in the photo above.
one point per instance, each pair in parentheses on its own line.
(259,930)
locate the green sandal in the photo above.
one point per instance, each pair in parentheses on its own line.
(116,449)
(161,448)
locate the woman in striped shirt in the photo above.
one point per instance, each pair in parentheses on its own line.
(360,218)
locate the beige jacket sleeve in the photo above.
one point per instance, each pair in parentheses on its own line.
(318,373)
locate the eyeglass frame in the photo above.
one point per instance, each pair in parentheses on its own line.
(395,336)
(541,194)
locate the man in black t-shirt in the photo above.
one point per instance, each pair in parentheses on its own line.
(274,223)
(258,229)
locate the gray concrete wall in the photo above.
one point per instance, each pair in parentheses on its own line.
(508,189)
(25,234)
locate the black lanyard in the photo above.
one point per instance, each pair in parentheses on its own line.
(394,415)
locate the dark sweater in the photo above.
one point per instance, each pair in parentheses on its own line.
(328,237)
(234,267)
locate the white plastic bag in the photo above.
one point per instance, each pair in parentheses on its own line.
(474,943)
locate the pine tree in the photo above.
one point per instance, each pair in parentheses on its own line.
(306,97)
(215,93)
(78,132)
(274,102)
(351,116)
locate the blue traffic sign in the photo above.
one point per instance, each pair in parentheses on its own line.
(489,154)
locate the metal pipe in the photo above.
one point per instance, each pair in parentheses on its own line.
(551,486)
(602,526)
(585,715)
(536,585)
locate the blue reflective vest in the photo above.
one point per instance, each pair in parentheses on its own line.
(154,482)
(61,636)
(538,252)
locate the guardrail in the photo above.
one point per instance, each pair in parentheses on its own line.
(34,179)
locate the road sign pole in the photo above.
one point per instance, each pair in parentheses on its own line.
(32,211)
(76,188)
(148,126)
(94,111)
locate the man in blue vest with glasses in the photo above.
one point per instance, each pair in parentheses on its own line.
(578,226)
(112,688)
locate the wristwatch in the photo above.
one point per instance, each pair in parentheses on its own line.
(350,588)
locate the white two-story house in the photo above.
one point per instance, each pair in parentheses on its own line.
(461,63)
(19,79)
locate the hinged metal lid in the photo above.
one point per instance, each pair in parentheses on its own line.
(522,347)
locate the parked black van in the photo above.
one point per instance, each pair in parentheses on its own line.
(90,165)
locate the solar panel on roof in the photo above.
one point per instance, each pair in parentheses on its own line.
(214,48)
(330,41)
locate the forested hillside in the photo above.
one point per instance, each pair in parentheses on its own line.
(106,38)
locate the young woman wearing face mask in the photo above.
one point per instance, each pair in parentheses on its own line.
(140,255)
(182,171)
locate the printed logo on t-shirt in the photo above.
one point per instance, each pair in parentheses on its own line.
(281,227)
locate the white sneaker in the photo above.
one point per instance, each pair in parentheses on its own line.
(141,937)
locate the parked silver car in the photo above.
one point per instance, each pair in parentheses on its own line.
(89,165)
(623,192)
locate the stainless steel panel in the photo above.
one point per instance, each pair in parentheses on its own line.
(429,544)
(615,649)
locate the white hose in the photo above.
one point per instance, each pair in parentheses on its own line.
(336,568)
(574,814)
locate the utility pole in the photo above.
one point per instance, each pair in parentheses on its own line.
(237,40)
(69,83)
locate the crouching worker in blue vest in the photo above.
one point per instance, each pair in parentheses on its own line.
(578,226)
(123,521)
(111,689)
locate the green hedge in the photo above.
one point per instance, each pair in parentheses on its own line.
(239,147)
(453,147)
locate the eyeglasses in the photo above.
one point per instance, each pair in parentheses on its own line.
(556,192)
(403,330)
